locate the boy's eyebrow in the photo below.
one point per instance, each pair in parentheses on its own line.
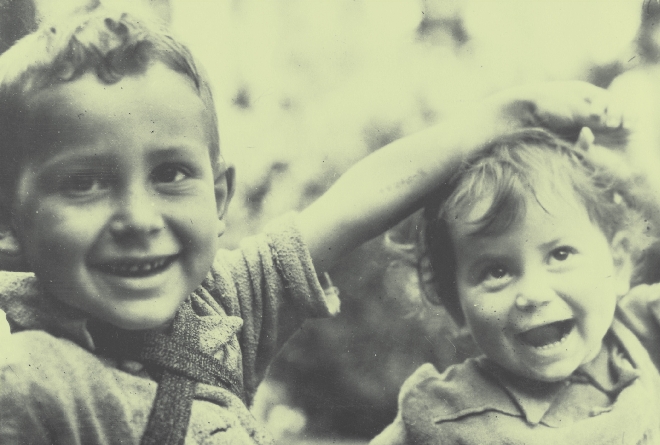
(73,159)
(176,148)
(65,157)
(181,151)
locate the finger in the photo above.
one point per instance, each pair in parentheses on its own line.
(598,103)
(614,113)
(630,117)
(585,139)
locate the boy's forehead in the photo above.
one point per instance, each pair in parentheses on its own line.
(67,113)
(158,81)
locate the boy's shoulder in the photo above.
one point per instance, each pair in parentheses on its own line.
(52,384)
(33,355)
(461,390)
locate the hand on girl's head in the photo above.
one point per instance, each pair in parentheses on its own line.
(561,106)
(605,155)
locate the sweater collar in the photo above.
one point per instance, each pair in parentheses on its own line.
(26,306)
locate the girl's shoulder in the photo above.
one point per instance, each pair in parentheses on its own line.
(462,389)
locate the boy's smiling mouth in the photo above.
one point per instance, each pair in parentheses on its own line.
(136,268)
(547,335)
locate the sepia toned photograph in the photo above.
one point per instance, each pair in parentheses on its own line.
(315,222)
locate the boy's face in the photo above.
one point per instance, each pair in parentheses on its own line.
(540,297)
(115,209)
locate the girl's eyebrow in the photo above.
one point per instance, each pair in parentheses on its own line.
(487,258)
(550,244)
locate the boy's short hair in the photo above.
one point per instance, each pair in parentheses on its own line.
(527,163)
(111,44)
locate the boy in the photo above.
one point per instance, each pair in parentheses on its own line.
(533,249)
(131,326)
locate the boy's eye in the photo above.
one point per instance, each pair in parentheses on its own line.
(168,173)
(82,183)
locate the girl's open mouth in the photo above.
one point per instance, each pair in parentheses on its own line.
(136,268)
(548,335)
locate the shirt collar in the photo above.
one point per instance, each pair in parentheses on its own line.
(26,306)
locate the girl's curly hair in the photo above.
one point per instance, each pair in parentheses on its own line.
(529,163)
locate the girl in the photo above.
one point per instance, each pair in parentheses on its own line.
(532,250)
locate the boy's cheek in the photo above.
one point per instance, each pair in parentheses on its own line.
(13,263)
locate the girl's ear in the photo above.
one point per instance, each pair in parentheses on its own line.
(623,265)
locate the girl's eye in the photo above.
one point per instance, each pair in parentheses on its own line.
(562,253)
(495,278)
(169,173)
(496,273)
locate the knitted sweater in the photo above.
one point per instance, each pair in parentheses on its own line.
(54,389)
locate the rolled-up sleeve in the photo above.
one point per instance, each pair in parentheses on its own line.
(271,284)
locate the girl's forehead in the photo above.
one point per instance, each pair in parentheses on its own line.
(496,215)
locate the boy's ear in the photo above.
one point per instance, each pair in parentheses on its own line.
(623,265)
(8,242)
(224,191)
(11,255)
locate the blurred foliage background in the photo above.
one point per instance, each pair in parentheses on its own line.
(306,88)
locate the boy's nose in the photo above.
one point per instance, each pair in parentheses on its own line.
(137,214)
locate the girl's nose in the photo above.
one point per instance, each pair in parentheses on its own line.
(137,214)
(529,304)
(533,292)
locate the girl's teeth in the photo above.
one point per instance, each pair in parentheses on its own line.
(551,345)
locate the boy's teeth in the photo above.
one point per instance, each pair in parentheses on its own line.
(136,268)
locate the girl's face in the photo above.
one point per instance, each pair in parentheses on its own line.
(539,297)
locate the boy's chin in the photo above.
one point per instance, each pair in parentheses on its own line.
(139,322)
(144,325)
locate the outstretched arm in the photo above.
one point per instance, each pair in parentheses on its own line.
(392,182)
